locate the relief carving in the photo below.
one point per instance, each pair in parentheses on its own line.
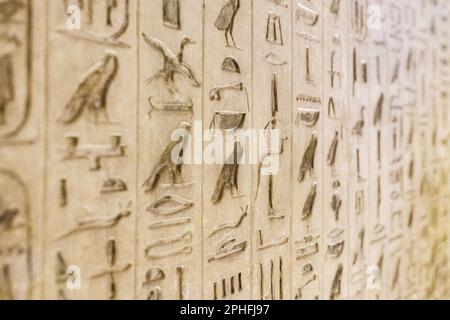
(92,92)
(225,21)
(15,238)
(103,22)
(352,94)
(170,97)
(15,67)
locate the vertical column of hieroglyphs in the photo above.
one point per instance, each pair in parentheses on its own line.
(335,166)
(439,177)
(397,44)
(419,145)
(445,87)
(272,117)
(422,145)
(227,175)
(412,10)
(444,57)
(307,153)
(20,179)
(427,242)
(91,125)
(397,113)
(378,178)
(435,178)
(443,35)
(409,106)
(358,129)
(169,185)
(418,216)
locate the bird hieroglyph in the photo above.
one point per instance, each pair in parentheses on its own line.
(170,97)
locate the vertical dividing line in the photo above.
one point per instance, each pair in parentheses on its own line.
(346,90)
(365,255)
(291,259)
(348,94)
(136,196)
(252,207)
(203,234)
(323,225)
(44,138)
(29,66)
(29,57)
(368,48)
(386,166)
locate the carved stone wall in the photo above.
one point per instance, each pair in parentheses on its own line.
(96,97)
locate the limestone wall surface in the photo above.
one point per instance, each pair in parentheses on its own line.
(334,116)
